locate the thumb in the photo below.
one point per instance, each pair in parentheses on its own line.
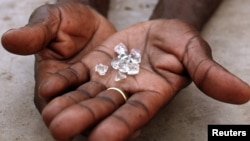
(33,37)
(212,78)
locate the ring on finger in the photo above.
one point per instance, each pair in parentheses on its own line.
(120,92)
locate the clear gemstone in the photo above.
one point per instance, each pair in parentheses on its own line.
(133,68)
(101,69)
(121,49)
(124,58)
(115,64)
(120,76)
(135,56)
(123,66)
(126,64)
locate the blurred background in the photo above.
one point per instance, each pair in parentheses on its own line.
(184,118)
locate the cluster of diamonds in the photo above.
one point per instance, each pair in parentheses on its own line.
(126,63)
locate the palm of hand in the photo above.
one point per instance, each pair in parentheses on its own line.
(169,53)
(172,53)
(71,31)
(161,76)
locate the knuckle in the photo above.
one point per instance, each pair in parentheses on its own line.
(59,131)
(51,110)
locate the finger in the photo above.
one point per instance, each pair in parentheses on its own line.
(34,36)
(210,77)
(60,103)
(125,121)
(69,78)
(83,115)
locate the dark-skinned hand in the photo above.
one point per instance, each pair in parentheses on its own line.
(59,35)
(173,55)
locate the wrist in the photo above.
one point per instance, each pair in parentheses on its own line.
(101,6)
(87,2)
(194,12)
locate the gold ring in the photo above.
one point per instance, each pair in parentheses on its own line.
(120,91)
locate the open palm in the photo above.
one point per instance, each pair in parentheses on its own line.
(68,47)
(173,54)
(59,35)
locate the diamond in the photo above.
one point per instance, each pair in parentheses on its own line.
(101,69)
(126,64)
(115,64)
(135,56)
(133,68)
(121,49)
(124,58)
(120,76)
(123,66)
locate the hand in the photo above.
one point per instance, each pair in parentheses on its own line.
(173,55)
(59,35)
